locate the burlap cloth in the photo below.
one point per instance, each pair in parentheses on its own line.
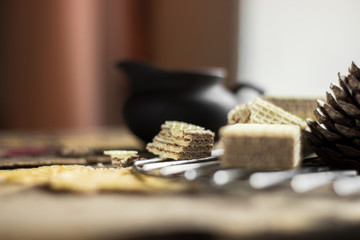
(277,213)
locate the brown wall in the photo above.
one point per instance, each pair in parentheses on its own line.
(189,34)
(58,61)
(57,57)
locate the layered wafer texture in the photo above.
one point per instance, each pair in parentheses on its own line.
(263,112)
(261,146)
(301,107)
(239,114)
(180,140)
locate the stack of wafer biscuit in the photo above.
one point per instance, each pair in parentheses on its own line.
(260,111)
(180,140)
(263,112)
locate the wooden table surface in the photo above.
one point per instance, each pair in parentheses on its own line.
(238,212)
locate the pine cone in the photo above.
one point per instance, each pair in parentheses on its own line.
(335,135)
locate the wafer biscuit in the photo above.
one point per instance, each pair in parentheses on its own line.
(299,106)
(122,158)
(261,146)
(264,112)
(180,140)
(177,155)
(240,114)
(175,129)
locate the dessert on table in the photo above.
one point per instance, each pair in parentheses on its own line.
(261,146)
(180,140)
(122,158)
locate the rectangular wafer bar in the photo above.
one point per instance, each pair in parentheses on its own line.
(261,146)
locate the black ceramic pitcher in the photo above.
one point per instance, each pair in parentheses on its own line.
(158,95)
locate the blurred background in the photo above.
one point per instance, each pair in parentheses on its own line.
(57,57)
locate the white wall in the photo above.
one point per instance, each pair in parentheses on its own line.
(297,47)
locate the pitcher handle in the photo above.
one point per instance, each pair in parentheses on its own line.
(240,85)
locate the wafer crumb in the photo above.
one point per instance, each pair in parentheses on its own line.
(122,158)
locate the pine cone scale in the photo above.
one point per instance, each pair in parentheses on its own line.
(349,109)
(347,132)
(335,115)
(331,153)
(342,83)
(339,93)
(357,98)
(354,84)
(356,143)
(349,151)
(354,70)
(332,102)
(321,119)
(330,136)
(314,140)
